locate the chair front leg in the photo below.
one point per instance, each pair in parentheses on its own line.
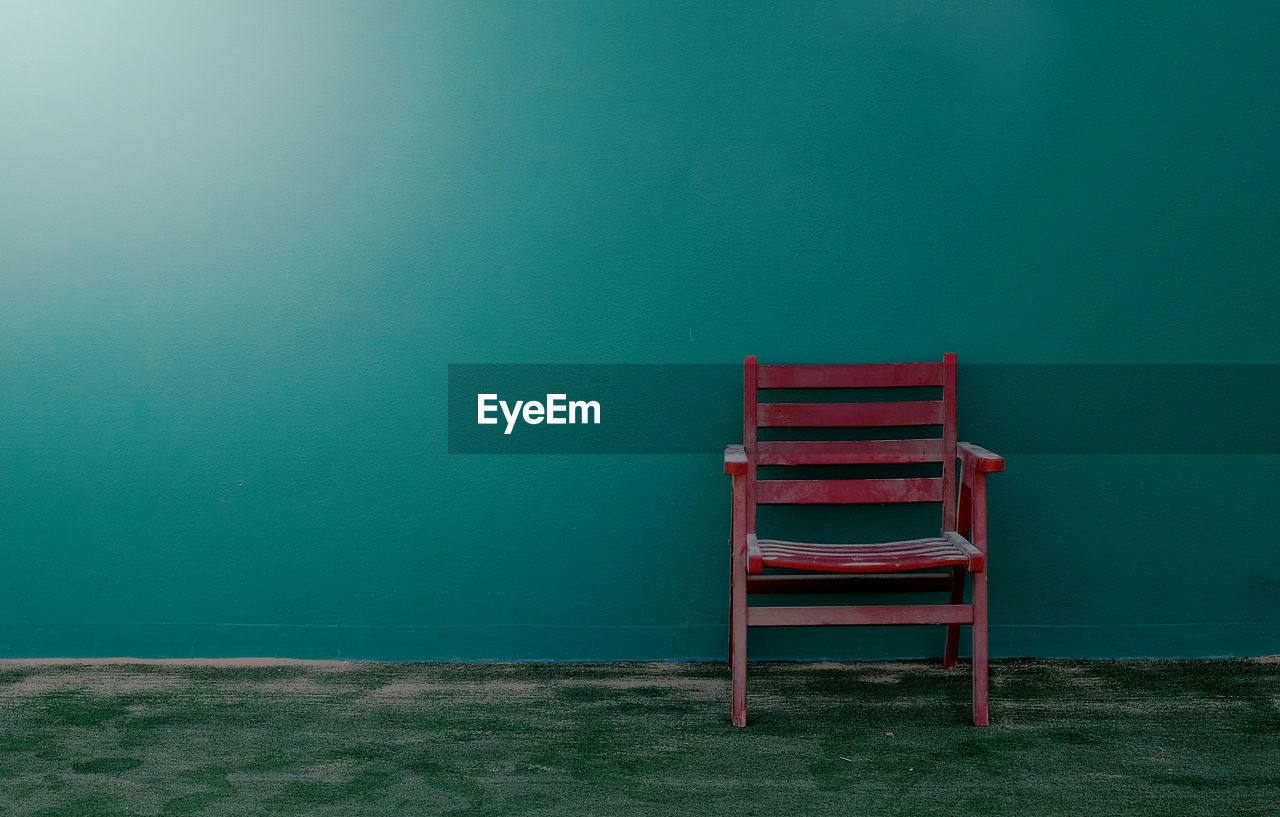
(978,535)
(980,692)
(731,606)
(738,601)
(738,637)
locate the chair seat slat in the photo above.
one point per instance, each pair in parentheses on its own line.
(914,554)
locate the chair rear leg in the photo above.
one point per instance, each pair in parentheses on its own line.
(980,717)
(738,639)
(731,645)
(952,651)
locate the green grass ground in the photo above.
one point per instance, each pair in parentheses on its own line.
(1070,738)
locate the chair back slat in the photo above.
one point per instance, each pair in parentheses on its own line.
(826,491)
(870,375)
(852,452)
(849,415)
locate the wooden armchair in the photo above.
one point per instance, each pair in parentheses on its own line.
(960,547)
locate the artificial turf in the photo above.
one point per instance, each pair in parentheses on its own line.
(1067,737)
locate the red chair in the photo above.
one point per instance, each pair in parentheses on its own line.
(800,567)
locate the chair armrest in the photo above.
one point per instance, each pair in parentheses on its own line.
(735,460)
(982,459)
(977,559)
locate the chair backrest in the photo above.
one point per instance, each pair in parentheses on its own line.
(765,410)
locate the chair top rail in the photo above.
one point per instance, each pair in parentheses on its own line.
(850,376)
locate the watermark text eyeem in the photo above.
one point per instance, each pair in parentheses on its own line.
(558,410)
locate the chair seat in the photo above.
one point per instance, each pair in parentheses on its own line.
(914,554)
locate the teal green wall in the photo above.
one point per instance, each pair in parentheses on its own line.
(241,242)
